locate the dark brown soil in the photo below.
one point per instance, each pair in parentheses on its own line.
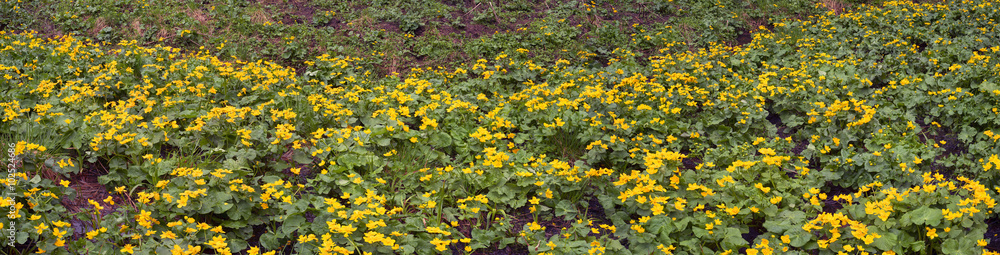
(88,188)
(299,12)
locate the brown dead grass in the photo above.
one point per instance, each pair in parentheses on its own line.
(260,17)
(836,6)
(164,34)
(137,29)
(364,22)
(198,15)
(99,24)
(751,23)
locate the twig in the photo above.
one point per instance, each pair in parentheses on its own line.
(130,202)
(473,8)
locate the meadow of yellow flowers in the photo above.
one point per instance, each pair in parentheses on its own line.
(869,132)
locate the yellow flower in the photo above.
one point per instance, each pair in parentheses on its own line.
(767,151)
(41,227)
(776,200)
(638,228)
(931,232)
(127,249)
(733,210)
(440,245)
(92,234)
(168,235)
(97,206)
(436,230)
(533,226)
(219,242)
(762,188)
(307,238)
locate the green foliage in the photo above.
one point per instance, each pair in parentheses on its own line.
(849,133)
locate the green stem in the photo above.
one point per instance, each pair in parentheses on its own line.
(356,247)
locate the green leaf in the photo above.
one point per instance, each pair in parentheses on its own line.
(165,166)
(270,241)
(349,160)
(682,224)
(292,222)
(692,244)
(270,178)
(236,243)
(798,237)
(785,220)
(925,216)
(616,246)
(241,212)
(735,237)
(222,200)
(886,242)
(440,139)
(301,157)
(234,223)
(162,250)
(107,178)
(565,208)
(966,223)
(988,86)
(22,236)
(958,246)
(407,249)
(116,163)
(699,232)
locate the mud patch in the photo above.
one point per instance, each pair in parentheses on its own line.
(743,37)
(87,188)
(993,234)
(298,12)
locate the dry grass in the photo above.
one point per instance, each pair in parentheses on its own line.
(260,17)
(198,15)
(136,29)
(164,34)
(99,24)
(750,22)
(203,20)
(835,6)
(753,24)
(362,22)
